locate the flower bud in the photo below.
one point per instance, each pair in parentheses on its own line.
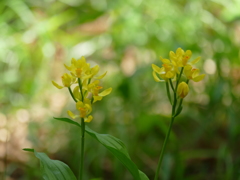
(182,89)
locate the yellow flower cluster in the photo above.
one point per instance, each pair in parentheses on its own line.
(173,68)
(87,87)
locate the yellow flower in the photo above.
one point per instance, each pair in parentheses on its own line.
(180,58)
(67,81)
(193,73)
(84,93)
(182,89)
(94,88)
(84,110)
(77,94)
(177,57)
(79,68)
(166,72)
(93,71)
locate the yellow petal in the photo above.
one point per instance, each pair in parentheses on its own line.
(198,78)
(85,84)
(71,114)
(73,61)
(67,80)
(102,76)
(87,101)
(88,106)
(172,55)
(179,52)
(88,119)
(169,74)
(157,69)
(83,59)
(93,84)
(76,93)
(94,70)
(57,85)
(195,60)
(68,67)
(195,73)
(86,77)
(79,104)
(105,92)
(188,53)
(155,77)
(174,63)
(97,98)
(165,61)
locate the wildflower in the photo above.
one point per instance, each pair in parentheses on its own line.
(182,89)
(67,81)
(166,72)
(180,58)
(177,57)
(193,73)
(170,67)
(84,110)
(78,68)
(85,92)
(94,88)
(174,68)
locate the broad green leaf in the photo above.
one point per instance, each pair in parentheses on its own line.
(53,169)
(115,146)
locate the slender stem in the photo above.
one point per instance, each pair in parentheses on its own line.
(174,103)
(178,78)
(168,92)
(89,80)
(163,148)
(171,123)
(171,84)
(70,90)
(179,109)
(82,149)
(80,86)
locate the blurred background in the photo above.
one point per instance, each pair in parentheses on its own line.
(124,38)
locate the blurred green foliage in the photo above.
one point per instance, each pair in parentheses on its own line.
(124,38)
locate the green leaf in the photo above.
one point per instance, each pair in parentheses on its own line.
(115,146)
(53,169)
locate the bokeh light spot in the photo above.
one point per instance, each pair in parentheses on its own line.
(209,66)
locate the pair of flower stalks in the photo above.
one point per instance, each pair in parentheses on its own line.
(85,93)
(87,89)
(172,72)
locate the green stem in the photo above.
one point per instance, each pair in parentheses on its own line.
(163,149)
(179,109)
(178,78)
(171,84)
(82,150)
(170,126)
(70,90)
(80,86)
(168,92)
